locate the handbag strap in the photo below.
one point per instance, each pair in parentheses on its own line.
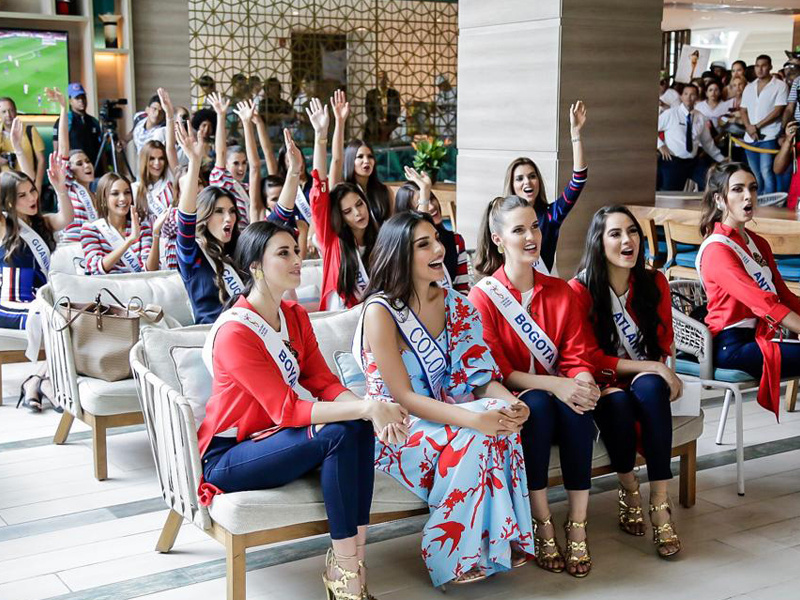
(65,301)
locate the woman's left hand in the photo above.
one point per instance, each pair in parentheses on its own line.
(57,174)
(159,223)
(577,116)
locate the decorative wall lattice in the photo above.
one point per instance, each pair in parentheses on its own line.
(325,40)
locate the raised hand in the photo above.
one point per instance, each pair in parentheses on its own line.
(159,223)
(135,227)
(340,105)
(166,103)
(219,103)
(422,179)
(16,135)
(55,95)
(293,152)
(57,174)
(187,138)
(318,116)
(577,116)
(245,110)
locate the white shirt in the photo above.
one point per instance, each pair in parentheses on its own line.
(758,106)
(713,114)
(141,135)
(673,123)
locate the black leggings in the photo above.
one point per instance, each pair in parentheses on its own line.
(646,401)
(553,422)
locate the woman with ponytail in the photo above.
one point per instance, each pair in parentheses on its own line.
(748,301)
(536,336)
(258,434)
(344,225)
(628,324)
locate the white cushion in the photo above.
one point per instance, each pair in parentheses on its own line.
(194,379)
(105,398)
(67,258)
(164,288)
(299,502)
(334,331)
(13,339)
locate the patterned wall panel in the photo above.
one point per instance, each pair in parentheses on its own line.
(413,41)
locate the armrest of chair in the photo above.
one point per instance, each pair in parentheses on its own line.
(173,439)
(694,338)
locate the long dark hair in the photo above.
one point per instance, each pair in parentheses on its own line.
(540,202)
(593,273)
(218,254)
(390,267)
(283,169)
(348,248)
(12,242)
(251,247)
(377,193)
(488,258)
(404,196)
(718,180)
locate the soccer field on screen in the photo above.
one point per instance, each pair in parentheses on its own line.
(29,62)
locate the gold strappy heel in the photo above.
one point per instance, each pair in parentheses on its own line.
(365,595)
(577,552)
(546,549)
(630,516)
(336,589)
(665,535)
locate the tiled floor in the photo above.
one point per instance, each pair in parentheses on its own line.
(64,535)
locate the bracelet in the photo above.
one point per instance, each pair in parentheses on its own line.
(576,139)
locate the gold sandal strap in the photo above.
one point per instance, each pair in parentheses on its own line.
(547,521)
(659,507)
(575,524)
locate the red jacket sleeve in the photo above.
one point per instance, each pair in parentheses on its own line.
(491,334)
(729,274)
(320,200)
(245,360)
(787,297)
(315,375)
(604,366)
(573,349)
(666,334)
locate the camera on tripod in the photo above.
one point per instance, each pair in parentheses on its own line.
(110,111)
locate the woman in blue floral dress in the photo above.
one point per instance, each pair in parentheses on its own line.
(422,346)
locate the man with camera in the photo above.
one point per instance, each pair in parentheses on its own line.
(85,132)
(32,144)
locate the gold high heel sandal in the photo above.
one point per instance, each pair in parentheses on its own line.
(336,589)
(630,516)
(574,549)
(540,544)
(365,595)
(665,535)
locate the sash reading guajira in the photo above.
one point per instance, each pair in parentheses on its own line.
(429,354)
(233,283)
(541,347)
(769,386)
(115,239)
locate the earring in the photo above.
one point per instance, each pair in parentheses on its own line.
(258,274)
(500,249)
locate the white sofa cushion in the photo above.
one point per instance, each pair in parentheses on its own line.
(334,331)
(13,339)
(67,258)
(164,288)
(299,502)
(105,398)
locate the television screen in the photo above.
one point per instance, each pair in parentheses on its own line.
(31,61)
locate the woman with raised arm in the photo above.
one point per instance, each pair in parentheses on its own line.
(258,434)
(80,175)
(26,242)
(524,179)
(627,311)
(748,301)
(787,159)
(421,347)
(536,336)
(230,163)
(345,229)
(121,240)
(416,194)
(355,164)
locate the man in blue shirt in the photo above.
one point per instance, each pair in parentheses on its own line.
(85,132)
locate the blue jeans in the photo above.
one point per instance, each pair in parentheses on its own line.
(345,452)
(616,414)
(761,164)
(553,422)
(736,348)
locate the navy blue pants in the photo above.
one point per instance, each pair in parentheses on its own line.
(616,415)
(344,451)
(553,422)
(672,174)
(736,348)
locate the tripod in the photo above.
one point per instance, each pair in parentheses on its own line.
(110,138)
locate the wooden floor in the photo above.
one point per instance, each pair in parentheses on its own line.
(64,535)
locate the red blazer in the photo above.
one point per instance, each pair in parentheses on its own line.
(552,307)
(605,365)
(733,296)
(331,251)
(249,391)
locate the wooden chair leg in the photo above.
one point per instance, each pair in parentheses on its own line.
(235,566)
(99,449)
(791,395)
(688,482)
(64,425)
(170,532)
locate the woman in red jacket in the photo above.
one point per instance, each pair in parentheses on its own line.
(536,337)
(748,301)
(257,432)
(628,324)
(345,228)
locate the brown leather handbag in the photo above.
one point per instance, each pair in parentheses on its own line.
(102,335)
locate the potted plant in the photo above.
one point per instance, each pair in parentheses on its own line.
(430,153)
